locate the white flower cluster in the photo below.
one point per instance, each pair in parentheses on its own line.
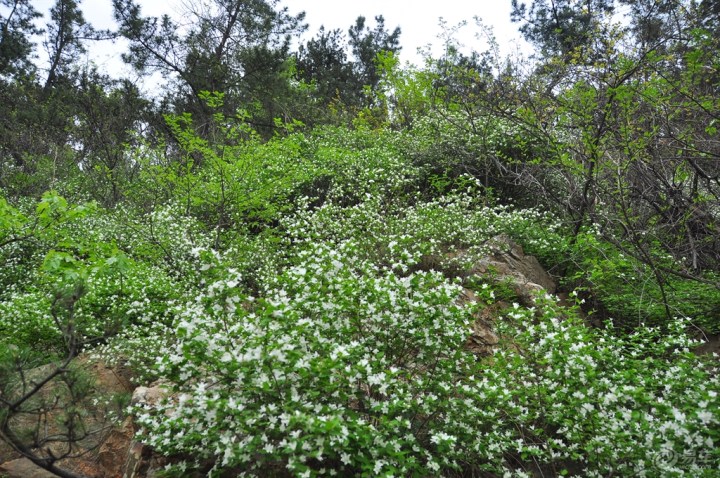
(336,365)
(347,368)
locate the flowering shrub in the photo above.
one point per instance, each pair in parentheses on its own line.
(600,403)
(219,275)
(360,164)
(427,234)
(337,370)
(25,320)
(344,368)
(117,301)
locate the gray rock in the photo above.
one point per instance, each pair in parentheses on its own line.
(23,468)
(507,260)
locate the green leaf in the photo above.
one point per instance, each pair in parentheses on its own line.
(64,266)
(118,263)
(10,218)
(51,207)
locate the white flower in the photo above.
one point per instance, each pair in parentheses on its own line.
(679,416)
(705,417)
(442,437)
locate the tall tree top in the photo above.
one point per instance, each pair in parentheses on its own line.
(560,27)
(16,28)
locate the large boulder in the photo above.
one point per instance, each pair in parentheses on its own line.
(506,261)
(102,454)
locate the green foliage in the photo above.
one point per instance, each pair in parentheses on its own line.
(25,321)
(59,250)
(626,290)
(11,220)
(231,181)
(302,289)
(15,44)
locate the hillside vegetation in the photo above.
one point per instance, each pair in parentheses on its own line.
(286,240)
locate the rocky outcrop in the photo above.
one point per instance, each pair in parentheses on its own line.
(115,454)
(505,262)
(482,339)
(23,468)
(118,456)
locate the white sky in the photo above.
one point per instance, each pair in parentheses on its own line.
(418,20)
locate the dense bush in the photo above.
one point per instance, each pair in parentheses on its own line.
(627,291)
(351,361)
(331,340)
(346,368)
